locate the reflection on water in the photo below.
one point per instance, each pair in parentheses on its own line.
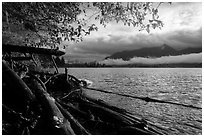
(179,85)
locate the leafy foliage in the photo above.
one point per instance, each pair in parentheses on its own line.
(49,24)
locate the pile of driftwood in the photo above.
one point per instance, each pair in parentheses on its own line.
(35,102)
(58,104)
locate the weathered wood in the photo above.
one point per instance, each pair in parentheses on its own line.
(136,120)
(21,58)
(55,65)
(130,130)
(41,73)
(75,110)
(106,114)
(58,83)
(113,108)
(77,127)
(25,49)
(33,58)
(102,103)
(39,81)
(58,123)
(11,115)
(15,90)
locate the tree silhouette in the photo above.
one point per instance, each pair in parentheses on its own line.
(48,24)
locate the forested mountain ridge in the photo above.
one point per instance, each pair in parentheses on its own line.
(163,50)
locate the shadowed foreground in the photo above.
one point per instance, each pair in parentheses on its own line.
(36,102)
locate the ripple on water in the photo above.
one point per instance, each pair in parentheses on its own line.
(179,85)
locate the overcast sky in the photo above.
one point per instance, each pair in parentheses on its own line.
(182,28)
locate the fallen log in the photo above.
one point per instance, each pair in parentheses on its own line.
(56,121)
(77,127)
(105,113)
(130,130)
(103,103)
(121,111)
(126,114)
(17,119)
(15,90)
(58,83)
(75,110)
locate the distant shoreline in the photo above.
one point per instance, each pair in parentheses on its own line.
(183,65)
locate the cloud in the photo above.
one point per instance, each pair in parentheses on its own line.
(84,57)
(182,29)
(190,58)
(110,44)
(181,16)
(184,38)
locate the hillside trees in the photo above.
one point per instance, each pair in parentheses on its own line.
(46,24)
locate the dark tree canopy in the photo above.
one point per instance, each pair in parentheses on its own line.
(48,24)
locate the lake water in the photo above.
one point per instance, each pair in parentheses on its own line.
(180,85)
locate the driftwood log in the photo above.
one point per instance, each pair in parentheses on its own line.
(56,121)
(16,94)
(66,110)
(57,103)
(78,128)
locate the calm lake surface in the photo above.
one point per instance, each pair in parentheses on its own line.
(180,85)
